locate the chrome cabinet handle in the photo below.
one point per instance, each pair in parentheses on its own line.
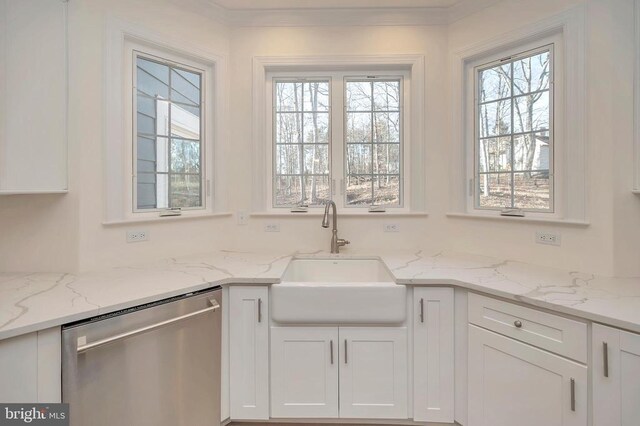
(331,350)
(517,323)
(214,307)
(421,310)
(573,394)
(605,358)
(346,359)
(259,310)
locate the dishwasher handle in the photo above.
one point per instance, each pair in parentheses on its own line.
(83,348)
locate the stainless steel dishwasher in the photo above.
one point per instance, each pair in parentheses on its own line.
(153,365)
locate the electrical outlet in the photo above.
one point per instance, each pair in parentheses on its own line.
(137,236)
(391,227)
(549,238)
(243,217)
(272,227)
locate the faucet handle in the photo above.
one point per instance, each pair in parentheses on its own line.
(342,243)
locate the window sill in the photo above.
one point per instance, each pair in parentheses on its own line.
(34,192)
(341,213)
(159,219)
(636,191)
(565,222)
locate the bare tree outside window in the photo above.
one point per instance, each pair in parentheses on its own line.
(514,133)
(301,152)
(373,142)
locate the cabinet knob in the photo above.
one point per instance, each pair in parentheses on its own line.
(517,323)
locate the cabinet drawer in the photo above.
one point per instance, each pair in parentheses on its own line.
(551,332)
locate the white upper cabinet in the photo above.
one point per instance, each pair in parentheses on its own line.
(249,352)
(616,377)
(33,96)
(433,355)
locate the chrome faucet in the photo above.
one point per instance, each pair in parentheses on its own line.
(336,242)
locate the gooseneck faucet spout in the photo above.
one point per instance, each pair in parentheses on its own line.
(336,242)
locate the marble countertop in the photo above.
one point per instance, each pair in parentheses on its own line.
(31,302)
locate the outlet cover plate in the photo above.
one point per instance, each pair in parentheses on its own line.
(272,227)
(137,236)
(548,238)
(391,227)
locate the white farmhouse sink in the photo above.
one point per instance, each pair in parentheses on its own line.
(338,291)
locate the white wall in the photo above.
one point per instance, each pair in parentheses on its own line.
(68,233)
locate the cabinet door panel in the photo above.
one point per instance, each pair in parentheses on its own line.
(616,377)
(512,383)
(249,352)
(304,372)
(433,355)
(373,373)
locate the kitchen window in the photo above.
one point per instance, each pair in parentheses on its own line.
(168,149)
(338,136)
(514,133)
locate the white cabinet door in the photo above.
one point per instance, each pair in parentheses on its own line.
(304,372)
(373,373)
(433,355)
(33,96)
(616,377)
(512,383)
(30,367)
(249,352)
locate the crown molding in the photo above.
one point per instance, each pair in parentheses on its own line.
(396,16)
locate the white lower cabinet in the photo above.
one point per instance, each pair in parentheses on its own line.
(346,372)
(616,377)
(249,352)
(513,383)
(433,355)
(304,372)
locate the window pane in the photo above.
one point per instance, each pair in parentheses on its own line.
(288,96)
(358,96)
(358,127)
(316,96)
(359,159)
(153,116)
(288,127)
(185,87)
(185,121)
(185,191)
(532,74)
(146,191)
(495,83)
(495,190)
(531,152)
(386,159)
(288,159)
(316,159)
(152,78)
(386,190)
(316,127)
(386,126)
(386,95)
(316,190)
(359,190)
(531,112)
(494,155)
(288,190)
(185,156)
(532,190)
(495,118)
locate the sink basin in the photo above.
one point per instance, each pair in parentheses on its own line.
(337,271)
(338,291)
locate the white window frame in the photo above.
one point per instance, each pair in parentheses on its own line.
(553,44)
(414,120)
(205,142)
(570,116)
(636,153)
(121,39)
(337,137)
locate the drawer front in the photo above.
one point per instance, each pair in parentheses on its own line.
(551,332)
